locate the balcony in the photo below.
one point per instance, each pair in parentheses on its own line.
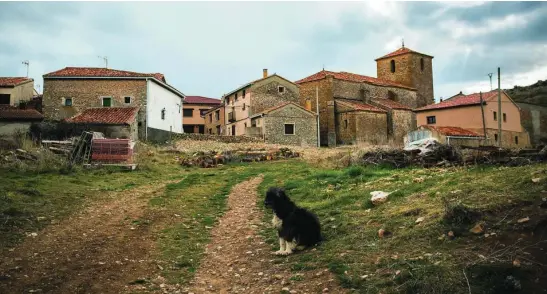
(231,117)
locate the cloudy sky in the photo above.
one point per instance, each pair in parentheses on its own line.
(210,48)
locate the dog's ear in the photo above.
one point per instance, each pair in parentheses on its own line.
(276,192)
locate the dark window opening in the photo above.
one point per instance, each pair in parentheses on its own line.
(202,112)
(392,66)
(281,89)
(163,113)
(422,64)
(495,115)
(107,101)
(496,137)
(5,99)
(188,129)
(516,140)
(233,130)
(391,96)
(289,129)
(243,106)
(201,129)
(431,120)
(504,117)
(244,92)
(346,123)
(235,97)
(211,117)
(68,101)
(217,115)
(127,100)
(188,112)
(218,130)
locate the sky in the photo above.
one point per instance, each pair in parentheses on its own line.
(210,48)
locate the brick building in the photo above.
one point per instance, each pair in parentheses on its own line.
(215,123)
(255,97)
(195,108)
(377,110)
(72,90)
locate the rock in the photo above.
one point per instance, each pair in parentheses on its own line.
(325,290)
(441,237)
(516,263)
(397,272)
(293,291)
(486,235)
(477,229)
(378,197)
(536,180)
(451,235)
(523,220)
(286,289)
(383,233)
(420,219)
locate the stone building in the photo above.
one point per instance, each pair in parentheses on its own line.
(255,97)
(14,90)
(113,122)
(72,90)
(534,121)
(215,123)
(194,111)
(285,124)
(405,81)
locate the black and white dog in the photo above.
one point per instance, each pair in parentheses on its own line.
(296,227)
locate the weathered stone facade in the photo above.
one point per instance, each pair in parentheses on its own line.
(304,122)
(410,72)
(534,121)
(403,122)
(360,127)
(215,121)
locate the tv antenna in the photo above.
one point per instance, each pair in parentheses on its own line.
(27,64)
(490,75)
(105,59)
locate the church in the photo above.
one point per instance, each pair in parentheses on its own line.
(357,109)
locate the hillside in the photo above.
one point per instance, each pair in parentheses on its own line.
(533,94)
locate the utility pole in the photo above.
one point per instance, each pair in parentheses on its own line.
(490,75)
(317,110)
(27,64)
(500,115)
(482,112)
(105,59)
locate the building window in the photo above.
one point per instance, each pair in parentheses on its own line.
(496,137)
(202,112)
(210,117)
(289,129)
(422,64)
(243,106)
(217,115)
(127,100)
(281,89)
(391,95)
(107,101)
(163,113)
(504,117)
(235,97)
(188,112)
(431,120)
(227,101)
(68,102)
(244,92)
(5,99)
(392,63)
(233,130)
(495,115)
(516,140)
(346,123)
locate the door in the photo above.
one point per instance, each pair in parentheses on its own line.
(233,130)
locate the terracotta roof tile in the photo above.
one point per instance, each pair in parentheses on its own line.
(360,106)
(12,81)
(268,110)
(346,76)
(106,115)
(100,72)
(401,51)
(453,131)
(460,100)
(391,104)
(20,114)
(201,100)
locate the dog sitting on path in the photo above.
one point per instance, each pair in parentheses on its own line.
(296,227)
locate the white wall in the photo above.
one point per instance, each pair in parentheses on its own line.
(10,128)
(158,98)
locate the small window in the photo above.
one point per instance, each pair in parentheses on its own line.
(281,89)
(68,101)
(243,106)
(127,100)
(346,123)
(244,92)
(495,115)
(496,137)
(107,101)
(163,113)
(188,112)
(516,140)
(392,63)
(431,120)
(245,124)
(211,117)
(217,115)
(5,99)
(504,117)
(422,64)
(235,97)
(227,101)
(289,129)
(202,112)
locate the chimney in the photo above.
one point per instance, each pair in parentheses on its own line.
(264,72)
(441,100)
(461,93)
(308,104)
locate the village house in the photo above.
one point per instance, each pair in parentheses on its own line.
(463,114)
(72,90)
(194,111)
(113,122)
(214,120)
(14,90)
(14,120)
(355,109)
(287,124)
(255,97)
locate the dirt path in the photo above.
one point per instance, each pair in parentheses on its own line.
(99,250)
(238,261)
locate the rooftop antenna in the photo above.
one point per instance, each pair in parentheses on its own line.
(403,41)
(27,64)
(490,75)
(105,60)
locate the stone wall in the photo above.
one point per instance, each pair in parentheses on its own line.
(265,94)
(534,120)
(308,91)
(404,121)
(305,127)
(352,90)
(216,138)
(212,123)
(10,128)
(346,129)
(371,128)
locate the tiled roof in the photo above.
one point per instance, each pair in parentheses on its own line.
(201,100)
(101,72)
(460,100)
(401,51)
(360,106)
(106,115)
(346,76)
(391,104)
(255,81)
(453,131)
(214,108)
(281,106)
(12,81)
(20,114)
